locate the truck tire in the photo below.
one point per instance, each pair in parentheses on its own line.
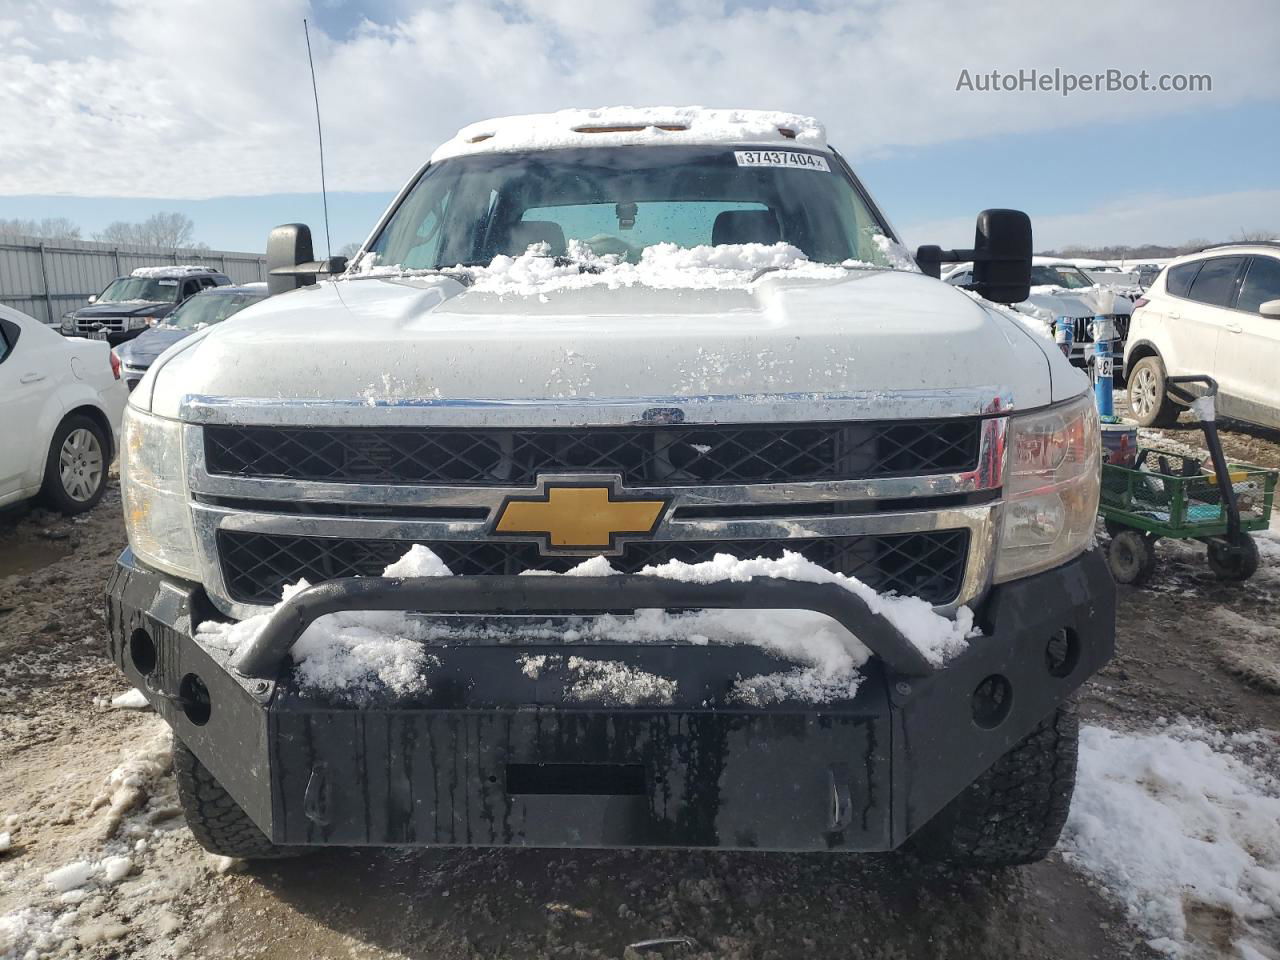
(1149,402)
(216,820)
(1014,812)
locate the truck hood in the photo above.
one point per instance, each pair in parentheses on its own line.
(410,341)
(129,308)
(1089,302)
(142,350)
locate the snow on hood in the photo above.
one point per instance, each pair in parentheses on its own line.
(663,266)
(1082,302)
(628,126)
(530,330)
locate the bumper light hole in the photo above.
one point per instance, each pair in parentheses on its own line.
(194,697)
(1062,653)
(992,700)
(142,652)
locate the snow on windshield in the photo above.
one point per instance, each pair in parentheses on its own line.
(661,266)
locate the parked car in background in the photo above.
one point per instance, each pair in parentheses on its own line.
(1214,312)
(61,402)
(207,307)
(1061,289)
(131,304)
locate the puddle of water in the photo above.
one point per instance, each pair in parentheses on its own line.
(31,555)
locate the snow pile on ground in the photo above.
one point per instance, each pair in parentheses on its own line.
(1177,823)
(91,886)
(626,125)
(133,699)
(357,653)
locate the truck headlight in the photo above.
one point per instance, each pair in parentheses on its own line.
(156,515)
(1051,488)
(141,323)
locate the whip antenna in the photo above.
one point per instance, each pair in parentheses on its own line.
(324,194)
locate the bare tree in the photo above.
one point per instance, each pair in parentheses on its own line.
(348,250)
(1253,236)
(169,230)
(50,228)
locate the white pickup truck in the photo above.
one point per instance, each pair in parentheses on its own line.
(681,355)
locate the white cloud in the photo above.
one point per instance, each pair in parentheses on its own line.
(68,22)
(151,105)
(1135,220)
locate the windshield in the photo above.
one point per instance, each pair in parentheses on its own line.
(207,308)
(1059,276)
(467,210)
(140,288)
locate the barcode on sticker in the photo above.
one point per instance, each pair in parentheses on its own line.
(781,158)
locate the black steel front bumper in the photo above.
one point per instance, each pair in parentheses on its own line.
(493,756)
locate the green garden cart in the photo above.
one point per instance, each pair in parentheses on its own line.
(1169,493)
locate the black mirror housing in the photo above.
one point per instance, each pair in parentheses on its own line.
(288,246)
(1001,256)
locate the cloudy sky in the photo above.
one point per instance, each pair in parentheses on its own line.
(117,108)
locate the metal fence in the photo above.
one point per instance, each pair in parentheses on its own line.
(47,278)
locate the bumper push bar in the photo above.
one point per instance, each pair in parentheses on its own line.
(493,754)
(505,595)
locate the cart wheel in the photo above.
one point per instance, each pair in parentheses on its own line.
(1132,557)
(1114,528)
(1234,562)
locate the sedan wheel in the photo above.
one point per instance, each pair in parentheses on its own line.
(81,464)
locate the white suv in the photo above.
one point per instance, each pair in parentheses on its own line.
(1215,312)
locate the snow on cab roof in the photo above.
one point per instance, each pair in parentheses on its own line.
(182,270)
(633,126)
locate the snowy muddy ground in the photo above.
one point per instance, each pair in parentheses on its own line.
(1173,847)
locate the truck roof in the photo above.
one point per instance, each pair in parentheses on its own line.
(633,126)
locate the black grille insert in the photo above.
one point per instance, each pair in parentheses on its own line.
(644,456)
(255,566)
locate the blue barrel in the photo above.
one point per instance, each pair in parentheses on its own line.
(1102,366)
(1064,333)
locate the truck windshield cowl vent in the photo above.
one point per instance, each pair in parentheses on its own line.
(642,456)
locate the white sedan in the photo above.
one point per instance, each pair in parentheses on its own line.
(61,402)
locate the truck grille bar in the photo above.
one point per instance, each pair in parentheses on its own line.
(255,566)
(641,456)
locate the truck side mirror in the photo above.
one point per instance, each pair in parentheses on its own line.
(1270,308)
(290,260)
(93,298)
(288,247)
(1002,256)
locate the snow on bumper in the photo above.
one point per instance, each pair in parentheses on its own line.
(499,753)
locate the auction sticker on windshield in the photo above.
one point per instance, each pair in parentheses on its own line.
(780,158)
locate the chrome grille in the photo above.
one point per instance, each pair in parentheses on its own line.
(255,566)
(643,456)
(1119,323)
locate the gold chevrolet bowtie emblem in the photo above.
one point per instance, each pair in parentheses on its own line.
(578,516)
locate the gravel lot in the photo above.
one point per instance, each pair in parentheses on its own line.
(1188,645)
